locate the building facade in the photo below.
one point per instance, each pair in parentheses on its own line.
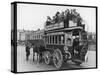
(36,34)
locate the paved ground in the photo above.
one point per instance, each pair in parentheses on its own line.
(23,65)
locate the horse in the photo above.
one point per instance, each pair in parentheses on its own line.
(38,50)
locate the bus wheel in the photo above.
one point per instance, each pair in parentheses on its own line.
(47,57)
(57,58)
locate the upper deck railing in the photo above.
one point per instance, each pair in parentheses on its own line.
(61,27)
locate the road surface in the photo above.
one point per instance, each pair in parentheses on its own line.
(24,66)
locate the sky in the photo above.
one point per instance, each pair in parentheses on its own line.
(33,16)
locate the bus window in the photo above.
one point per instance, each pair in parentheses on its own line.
(53,39)
(75,33)
(50,39)
(46,39)
(56,39)
(59,37)
(62,39)
(68,42)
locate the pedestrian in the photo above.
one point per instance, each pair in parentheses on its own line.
(33,51)
(27,51)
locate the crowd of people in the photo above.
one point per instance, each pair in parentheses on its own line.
(65,16)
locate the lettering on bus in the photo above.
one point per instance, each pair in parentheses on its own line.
(54,26)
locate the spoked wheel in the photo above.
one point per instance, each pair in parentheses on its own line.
(57,58)
(47,57)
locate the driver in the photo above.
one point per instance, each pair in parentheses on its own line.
(75,42)
(76,45)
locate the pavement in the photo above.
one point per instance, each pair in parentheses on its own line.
(25,66)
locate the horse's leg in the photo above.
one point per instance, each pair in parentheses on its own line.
(37,58)
(40,57)
(26,56)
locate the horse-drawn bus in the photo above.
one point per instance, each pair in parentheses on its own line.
(63,44)
(60,44)
(63,41)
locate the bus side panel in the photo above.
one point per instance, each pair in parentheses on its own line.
(53,47)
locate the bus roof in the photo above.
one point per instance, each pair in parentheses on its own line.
(65,29)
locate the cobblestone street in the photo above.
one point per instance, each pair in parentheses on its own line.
(24,66)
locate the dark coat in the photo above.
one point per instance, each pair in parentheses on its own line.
(27,50)
(75,43)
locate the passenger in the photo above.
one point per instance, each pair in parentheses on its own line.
(75,42)
(76,47)
(72,14)
(57,17)
(75,14)
(48,22)
(66,11)
(74,11)
(69,44)
(62,16)
(79,20)
(66,18)
(53,21)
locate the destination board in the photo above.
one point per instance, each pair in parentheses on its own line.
(54,26)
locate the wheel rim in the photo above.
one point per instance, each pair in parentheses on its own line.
(57,58)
